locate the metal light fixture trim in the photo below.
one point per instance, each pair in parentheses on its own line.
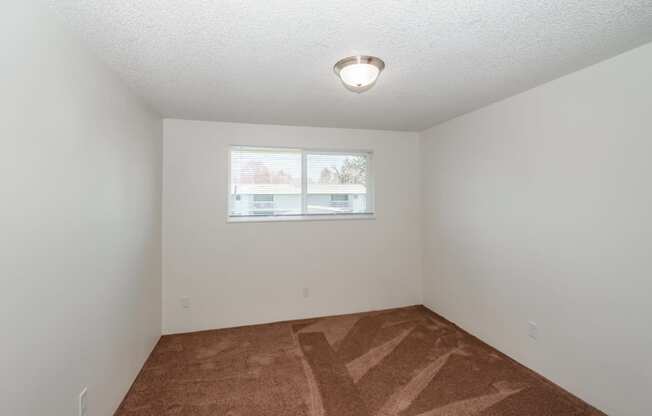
(362,63)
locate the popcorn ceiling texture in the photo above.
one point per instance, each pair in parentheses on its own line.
(271,61)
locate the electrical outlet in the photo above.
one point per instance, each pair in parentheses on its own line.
(306,292)
(83,404)
(185,302)
(532,330)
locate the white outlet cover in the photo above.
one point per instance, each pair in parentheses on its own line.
(306,292)
(185,302)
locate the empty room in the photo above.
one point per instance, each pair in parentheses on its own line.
(326,208)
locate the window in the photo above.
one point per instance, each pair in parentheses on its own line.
(264,198)
(264,202)
(297,183)
(339,201)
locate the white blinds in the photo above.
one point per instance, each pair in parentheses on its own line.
(337,183)
(278,182)
(265,182)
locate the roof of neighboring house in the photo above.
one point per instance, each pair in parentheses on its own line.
(289,189)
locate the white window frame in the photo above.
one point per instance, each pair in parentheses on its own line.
(304,216)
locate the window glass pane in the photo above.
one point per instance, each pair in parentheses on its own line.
(336,197)
(265,181)
(337,183)
(263,198)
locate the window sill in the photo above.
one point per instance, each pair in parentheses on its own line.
(347,217)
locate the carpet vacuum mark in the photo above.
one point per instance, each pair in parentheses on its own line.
(400,362)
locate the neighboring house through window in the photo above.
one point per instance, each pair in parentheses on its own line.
(278,182)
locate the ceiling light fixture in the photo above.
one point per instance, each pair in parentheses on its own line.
(359,73)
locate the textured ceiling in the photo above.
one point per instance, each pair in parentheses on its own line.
(270,61)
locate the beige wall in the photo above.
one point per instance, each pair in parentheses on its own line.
(536,208)
(80,184)
(243,273)
(539,208)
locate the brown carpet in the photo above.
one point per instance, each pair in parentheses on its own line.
(405,362)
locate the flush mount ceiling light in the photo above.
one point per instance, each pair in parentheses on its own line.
(359,73)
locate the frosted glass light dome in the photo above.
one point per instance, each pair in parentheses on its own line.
(359,73)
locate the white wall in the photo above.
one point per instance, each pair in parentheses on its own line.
(80,220)
(540,208)
(243,273)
